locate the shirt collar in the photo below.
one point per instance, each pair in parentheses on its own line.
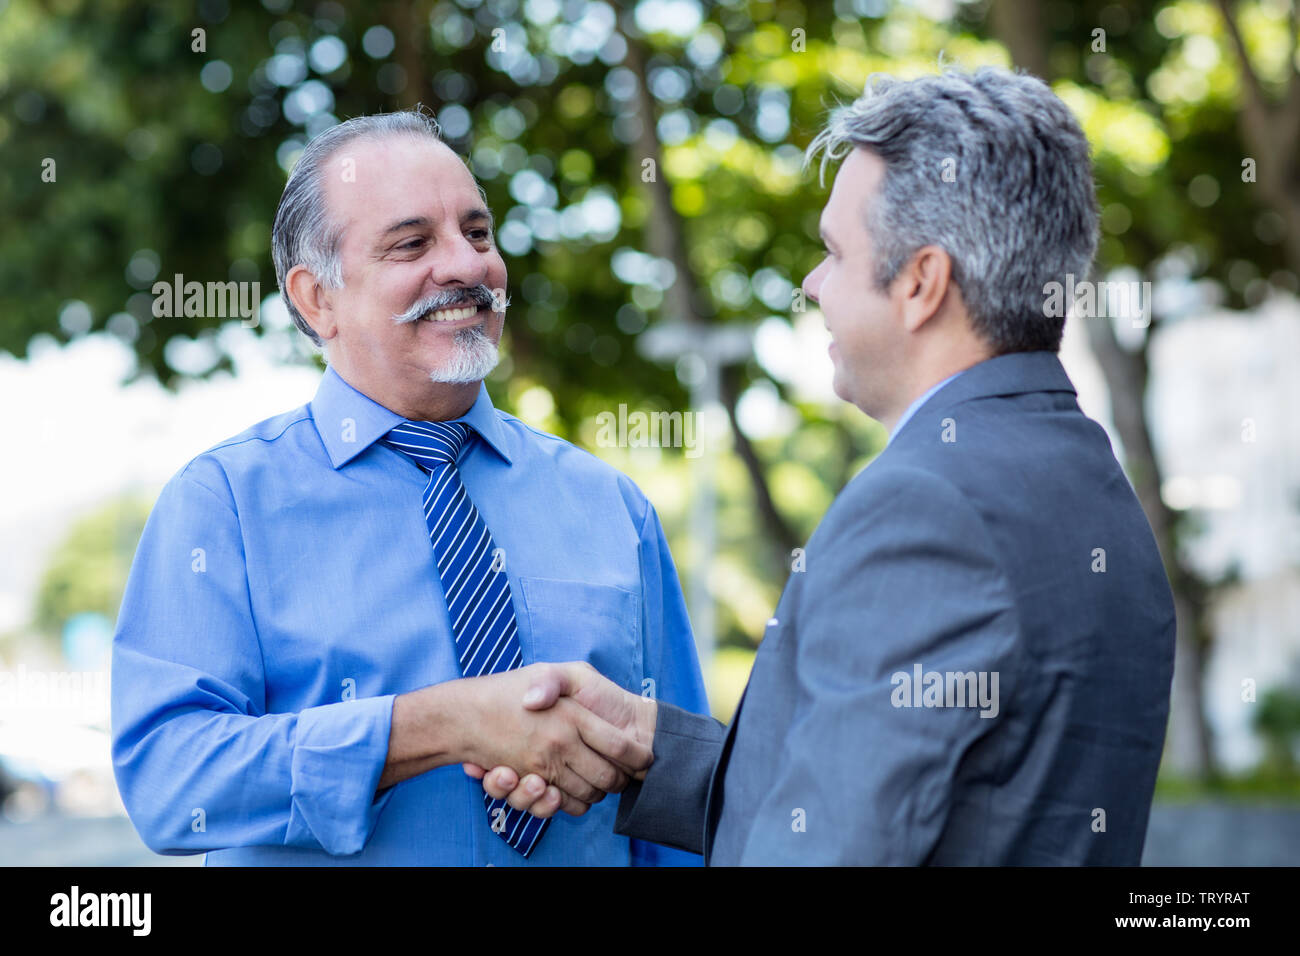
(349,422)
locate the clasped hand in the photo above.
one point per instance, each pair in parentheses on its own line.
(553,771)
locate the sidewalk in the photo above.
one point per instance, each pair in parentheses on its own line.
(1179,835)
(1222,834)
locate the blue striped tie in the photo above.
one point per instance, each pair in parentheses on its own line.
(473,581)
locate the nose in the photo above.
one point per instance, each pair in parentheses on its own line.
(456,262)
(812,282)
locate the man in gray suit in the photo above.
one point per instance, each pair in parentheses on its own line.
(974,666)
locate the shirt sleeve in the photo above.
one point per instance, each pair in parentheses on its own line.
(672,666)
(199,762)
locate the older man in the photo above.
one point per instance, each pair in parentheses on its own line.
(330,611)
(975,666)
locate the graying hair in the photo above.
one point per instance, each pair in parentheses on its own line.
(1020,212)
(304,233)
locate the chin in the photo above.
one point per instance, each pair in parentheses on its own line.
(839,387)
(472,358)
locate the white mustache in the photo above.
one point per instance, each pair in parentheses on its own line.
(479,295)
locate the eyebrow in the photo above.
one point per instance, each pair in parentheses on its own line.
(475,215)
(478,214)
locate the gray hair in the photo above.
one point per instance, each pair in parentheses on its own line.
(1018,211)
(304,232)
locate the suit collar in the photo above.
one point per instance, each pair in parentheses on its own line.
(1011,374)
(1015,373)
(349,422)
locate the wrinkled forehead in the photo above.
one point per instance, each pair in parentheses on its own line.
(369,181)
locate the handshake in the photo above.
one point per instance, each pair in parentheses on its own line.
(557,737)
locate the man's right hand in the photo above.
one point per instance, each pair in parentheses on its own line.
(550,736)
(575,754)
(553,685)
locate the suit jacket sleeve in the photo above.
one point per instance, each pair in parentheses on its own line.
(668,806)
(903,574)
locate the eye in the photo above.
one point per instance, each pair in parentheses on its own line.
(412,244)
(480,235)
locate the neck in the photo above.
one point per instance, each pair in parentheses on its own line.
(423,402)
(441,403)
(926,378)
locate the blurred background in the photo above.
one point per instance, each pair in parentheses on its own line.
(643,161)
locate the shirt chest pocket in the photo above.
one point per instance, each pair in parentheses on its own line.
(580,621)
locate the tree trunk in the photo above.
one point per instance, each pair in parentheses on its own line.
(409,22)
(666,238)
(1018,25)
(778,529)
(1271,130)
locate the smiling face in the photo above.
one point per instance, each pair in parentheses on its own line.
(868,346)
(417,241)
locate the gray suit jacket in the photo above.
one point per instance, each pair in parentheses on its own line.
(973,667)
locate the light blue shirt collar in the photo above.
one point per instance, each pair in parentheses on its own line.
(916,405)
(349,422)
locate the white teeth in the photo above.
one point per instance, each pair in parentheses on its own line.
(451,315)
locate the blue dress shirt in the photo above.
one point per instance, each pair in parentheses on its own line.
(284,592)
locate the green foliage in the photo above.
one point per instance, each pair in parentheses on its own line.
(1277,720)
(171,160)
(1264,785)
(88,570)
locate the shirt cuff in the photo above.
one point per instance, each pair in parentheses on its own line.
(338,757)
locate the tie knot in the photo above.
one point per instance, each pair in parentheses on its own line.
(431,444)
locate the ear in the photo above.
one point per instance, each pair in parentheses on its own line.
(311,301)
(922,285)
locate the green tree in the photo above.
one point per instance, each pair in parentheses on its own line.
(88,569)
(171,126)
